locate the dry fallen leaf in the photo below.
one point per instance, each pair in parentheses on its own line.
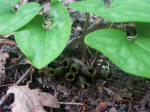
(115,96)
(125,93)
(27,100)
(68,1)
(6,36)
(21,3)
(100,87)
(113,109)
(109,92)
(62,89)
(7,41)
(3,57)
(101,107)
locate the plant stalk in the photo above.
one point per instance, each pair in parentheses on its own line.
(84,33)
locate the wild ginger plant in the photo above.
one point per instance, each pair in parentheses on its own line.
(131,56)
(42,45)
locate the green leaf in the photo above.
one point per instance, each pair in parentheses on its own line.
(42,46)
(119,10)
(10,20)
(131,56)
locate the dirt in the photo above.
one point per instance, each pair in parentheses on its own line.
(113,90)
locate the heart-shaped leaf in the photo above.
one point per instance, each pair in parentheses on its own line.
(131,56)
(42,46)
(118,11)
(10,20)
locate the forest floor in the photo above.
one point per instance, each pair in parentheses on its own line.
(113,90)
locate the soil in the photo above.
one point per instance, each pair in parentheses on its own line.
(112,91)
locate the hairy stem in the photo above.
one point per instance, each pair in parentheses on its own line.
(84,33)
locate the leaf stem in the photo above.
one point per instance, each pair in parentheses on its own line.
(84,33)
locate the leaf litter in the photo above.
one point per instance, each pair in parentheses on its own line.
(3,57)
(31,100)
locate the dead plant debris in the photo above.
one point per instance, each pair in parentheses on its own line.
(27,100)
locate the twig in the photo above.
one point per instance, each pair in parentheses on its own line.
(6,85)
(3,99)
(110,26)
(96,25)
(130,107)
(123,100)
(70,103)
(24,75)
(93,59)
